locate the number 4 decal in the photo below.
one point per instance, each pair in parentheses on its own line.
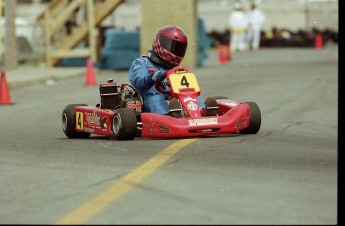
(184,81)
(79,119)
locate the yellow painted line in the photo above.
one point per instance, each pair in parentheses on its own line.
(126,183)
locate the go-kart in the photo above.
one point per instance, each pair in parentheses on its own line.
(119,113)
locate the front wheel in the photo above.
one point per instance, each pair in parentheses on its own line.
(125,124)
(254,119)
(69,120)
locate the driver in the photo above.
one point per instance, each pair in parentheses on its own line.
(168,49)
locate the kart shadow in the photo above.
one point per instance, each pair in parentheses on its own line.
(100,137)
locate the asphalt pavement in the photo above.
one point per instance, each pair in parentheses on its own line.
(27,74)
(286,174)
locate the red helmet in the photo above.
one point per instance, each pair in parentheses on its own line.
(170,44)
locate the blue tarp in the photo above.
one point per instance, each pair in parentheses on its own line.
(121,47)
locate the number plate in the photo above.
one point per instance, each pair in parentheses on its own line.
(184,82)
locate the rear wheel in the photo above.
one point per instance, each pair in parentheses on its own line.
(69,120)
(211,106)
(254,119)
(125,124)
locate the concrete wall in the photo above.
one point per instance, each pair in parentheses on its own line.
(289,14)
(157,13)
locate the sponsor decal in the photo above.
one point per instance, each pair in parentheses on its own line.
(79,116)
(238,123)
(204,130)
(135,105)
(160,128)
(179,71)
(203,121)
(186,90)
(163,129)
(150,125)
(188,99)
(95,120)
(192,106)
(242,122)
(89,130)
(102,123)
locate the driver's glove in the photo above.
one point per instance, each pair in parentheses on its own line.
(158,76)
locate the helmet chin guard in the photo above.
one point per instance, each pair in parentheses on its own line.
(159,61)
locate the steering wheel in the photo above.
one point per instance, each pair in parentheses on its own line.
(158,86)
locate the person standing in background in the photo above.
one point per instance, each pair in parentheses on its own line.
(255,20)
(238,26)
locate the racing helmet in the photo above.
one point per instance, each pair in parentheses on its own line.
(170,44)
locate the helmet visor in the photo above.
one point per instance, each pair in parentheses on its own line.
(175,47)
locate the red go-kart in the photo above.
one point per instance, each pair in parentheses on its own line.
(119,114)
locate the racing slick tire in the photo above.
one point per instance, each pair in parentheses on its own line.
(69,120)
(125,124)
(254,119)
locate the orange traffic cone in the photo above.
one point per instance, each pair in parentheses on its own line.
(90,79)
(223,54)
(318,41)
(4,91)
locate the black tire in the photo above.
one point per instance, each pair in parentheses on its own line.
(211,106)
(254,119)
(125,124)
(68,122)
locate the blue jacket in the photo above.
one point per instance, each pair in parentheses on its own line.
(140,76)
